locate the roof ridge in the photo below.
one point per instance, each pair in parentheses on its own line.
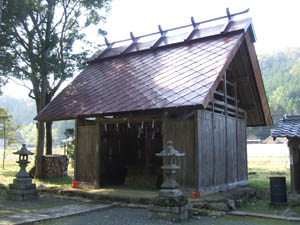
(137,43)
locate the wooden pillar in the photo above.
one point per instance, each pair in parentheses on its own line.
(164,129)
(197,161)
(294,150)
(290,144)
(226,125)
(76,149)
(213,138)
(236,133)
(97,174)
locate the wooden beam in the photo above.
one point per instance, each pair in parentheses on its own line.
(132,119)
(228,96)
(228,106)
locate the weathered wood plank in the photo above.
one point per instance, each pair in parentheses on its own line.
(219,150)
(182,133)
(205,149)
(242,151)
(86,146)
(231,150)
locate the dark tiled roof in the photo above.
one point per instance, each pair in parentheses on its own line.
(179,70)
(288,126)
(176,76)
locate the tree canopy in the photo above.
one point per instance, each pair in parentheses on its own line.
(38,37)
(37,43)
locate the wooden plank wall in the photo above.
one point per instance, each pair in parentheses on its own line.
(222,153)
(242,153)
(182,133)
(85,153)
(206,153)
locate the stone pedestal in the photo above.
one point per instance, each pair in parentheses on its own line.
(175,209)
(22,189)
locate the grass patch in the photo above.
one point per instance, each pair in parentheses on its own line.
(262,168)
(8,174)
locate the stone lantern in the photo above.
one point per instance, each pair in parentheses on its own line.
(171,204)
(22,187)
(23,161)
(170,168)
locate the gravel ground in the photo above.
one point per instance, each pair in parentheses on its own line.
(132,216)
(8,207)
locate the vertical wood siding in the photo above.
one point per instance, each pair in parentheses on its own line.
(222,153)
(182,133)
(242,171)
(85,153)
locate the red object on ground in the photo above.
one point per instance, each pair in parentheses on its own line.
(196,194)
(75,184)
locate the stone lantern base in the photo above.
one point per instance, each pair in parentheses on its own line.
(175,209)
(22,189)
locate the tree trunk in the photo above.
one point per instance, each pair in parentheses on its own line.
(48,138)
(1,4)
(40,149)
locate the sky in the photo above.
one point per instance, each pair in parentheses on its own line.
(276,22)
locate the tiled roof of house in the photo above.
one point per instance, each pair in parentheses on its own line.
(288,126)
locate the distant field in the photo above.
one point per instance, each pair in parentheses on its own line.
(265,161)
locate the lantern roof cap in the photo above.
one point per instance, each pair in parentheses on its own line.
(170,151)
(23,151)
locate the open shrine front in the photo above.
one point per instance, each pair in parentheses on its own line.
(125,153)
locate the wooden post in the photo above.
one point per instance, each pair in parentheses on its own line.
(164,129)
(197,163)
(225,111)
(236,132)
(294,149)
(290,144)
(76,149)
(296,160)
(97,174)
(213,138)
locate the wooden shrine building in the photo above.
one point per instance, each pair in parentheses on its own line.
(289,127)
(198,85)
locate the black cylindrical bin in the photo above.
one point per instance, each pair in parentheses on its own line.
(278,190)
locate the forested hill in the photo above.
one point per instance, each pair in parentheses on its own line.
(23,110)
(281,75)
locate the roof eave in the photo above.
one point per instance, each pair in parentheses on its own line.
(258,78)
